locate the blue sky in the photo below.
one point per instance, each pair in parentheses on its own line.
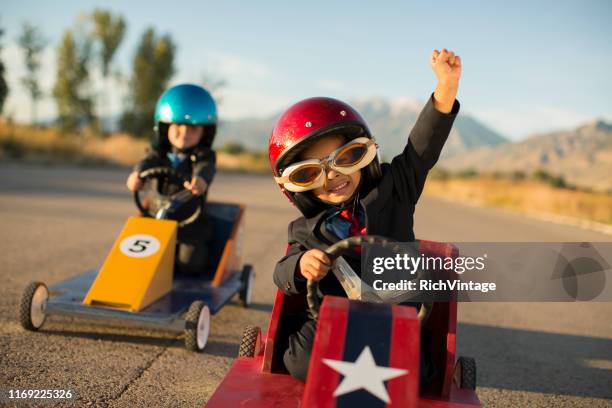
(528,66)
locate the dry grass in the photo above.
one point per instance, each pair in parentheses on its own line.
(26,143)
(526,196)
(244,162)
(49,146)
(119,148)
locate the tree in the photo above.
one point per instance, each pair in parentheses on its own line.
(153,66)
(32,43)
(108,30)
(233,148)
(3,84)
(553,180)
(74,102)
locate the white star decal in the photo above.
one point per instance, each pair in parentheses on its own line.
(364,373)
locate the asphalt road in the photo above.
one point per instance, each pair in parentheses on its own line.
(56,222)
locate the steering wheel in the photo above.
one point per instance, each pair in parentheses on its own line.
(343,246)
(162,206)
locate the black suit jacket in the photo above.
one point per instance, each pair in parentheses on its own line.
(389,207)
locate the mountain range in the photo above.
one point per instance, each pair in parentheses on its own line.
(390,122)
(583,156)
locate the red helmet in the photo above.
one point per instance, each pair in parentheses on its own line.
(305,122)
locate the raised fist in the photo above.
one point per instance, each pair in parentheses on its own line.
(447,66)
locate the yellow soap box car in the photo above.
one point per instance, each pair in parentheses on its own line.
(137,284)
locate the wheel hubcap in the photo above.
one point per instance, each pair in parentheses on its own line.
(37,308)
(203,328)
(249,292)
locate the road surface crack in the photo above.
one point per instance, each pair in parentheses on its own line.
(142,371)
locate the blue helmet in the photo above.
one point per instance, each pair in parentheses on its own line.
(189,104)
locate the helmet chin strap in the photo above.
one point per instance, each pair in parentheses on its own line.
(184,151)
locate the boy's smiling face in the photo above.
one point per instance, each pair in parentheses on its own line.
(184,136)
(339,187)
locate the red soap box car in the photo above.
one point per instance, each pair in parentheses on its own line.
(364,355)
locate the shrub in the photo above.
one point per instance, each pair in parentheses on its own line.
(469,173)
(438,173)
(553,180)
(233,148)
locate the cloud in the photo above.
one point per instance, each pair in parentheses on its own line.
(110,96)
(250,85)
(238,68)
(18,102)
(331,85)
(247,103)
(246,93)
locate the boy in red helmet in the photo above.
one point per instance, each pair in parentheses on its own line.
(324,158)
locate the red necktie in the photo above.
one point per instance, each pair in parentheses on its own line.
(356,227)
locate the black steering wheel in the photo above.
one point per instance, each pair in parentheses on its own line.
(162,206)
(343,246)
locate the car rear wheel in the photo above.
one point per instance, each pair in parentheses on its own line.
(465,373)
(33,304)
(197,326)
(248,344)
(248,279)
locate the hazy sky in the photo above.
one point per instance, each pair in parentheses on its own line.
(528,65)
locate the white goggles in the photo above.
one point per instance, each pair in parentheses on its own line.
(310,174)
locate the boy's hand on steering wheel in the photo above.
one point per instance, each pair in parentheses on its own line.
(197,185)
(314,265)
(134,183)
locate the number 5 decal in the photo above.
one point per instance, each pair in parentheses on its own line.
(139,246)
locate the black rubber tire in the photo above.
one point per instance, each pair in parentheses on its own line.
(249,341)
(467,373)
(25,307)
(192,316)
(247,278)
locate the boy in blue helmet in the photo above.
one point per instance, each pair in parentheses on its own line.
(185,125)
